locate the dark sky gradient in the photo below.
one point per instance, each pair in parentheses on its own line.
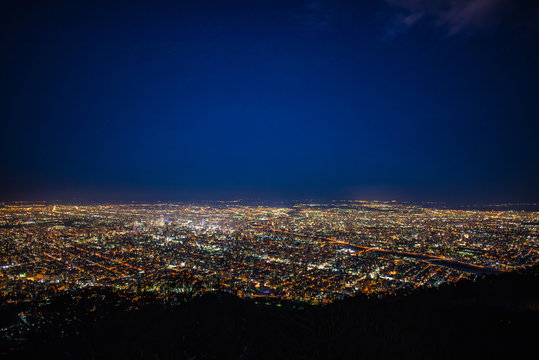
(263,99)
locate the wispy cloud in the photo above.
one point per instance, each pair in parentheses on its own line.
(452,15)
(316,14)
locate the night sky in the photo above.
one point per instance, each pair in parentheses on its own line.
(390,99)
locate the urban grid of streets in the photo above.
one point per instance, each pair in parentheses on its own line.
(308,252)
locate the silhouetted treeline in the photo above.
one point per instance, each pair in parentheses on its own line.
(496,317)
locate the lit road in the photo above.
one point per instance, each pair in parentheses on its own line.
(434,260)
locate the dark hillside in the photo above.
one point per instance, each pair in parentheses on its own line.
(496,317)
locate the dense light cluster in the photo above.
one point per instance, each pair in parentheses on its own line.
(309,252)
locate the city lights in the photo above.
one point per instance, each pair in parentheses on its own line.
(315,253)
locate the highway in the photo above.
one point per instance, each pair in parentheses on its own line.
(431,259)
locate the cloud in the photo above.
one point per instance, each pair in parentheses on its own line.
(316,14)
(452,15)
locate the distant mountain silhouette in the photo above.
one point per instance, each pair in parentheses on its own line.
(496,317)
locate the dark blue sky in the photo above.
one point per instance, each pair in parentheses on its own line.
(404,99)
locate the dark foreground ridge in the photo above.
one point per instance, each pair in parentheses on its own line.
(496,317)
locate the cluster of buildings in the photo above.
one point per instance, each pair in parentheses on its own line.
(308,252)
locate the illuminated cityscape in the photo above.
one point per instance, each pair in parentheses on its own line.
(308,179)
(314,253)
